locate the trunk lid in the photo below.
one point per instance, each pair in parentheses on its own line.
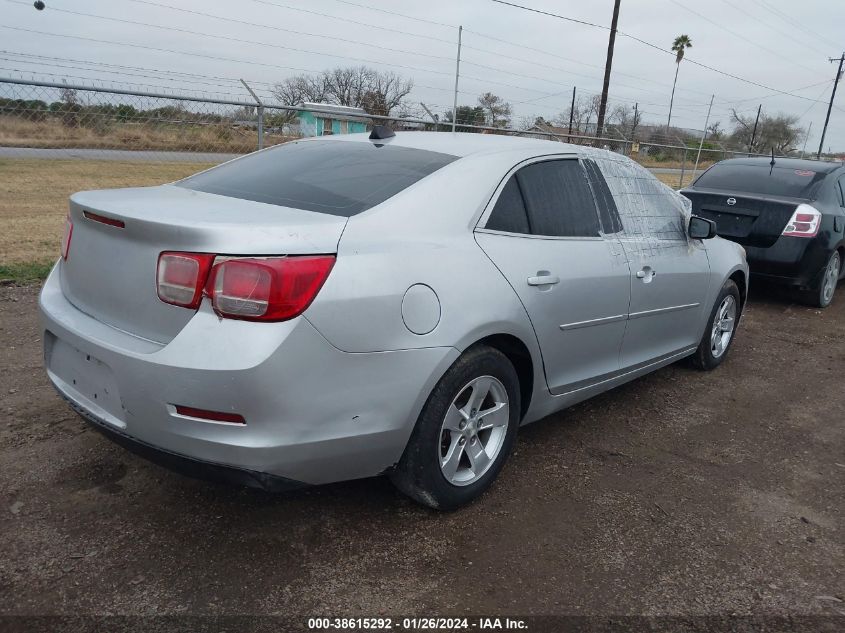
(110,272)
(752,220)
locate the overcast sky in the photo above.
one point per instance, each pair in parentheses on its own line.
(780,44)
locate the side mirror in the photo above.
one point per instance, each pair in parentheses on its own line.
(701,228)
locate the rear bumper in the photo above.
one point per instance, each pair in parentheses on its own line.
(793,261)
(183,464)
(314,414)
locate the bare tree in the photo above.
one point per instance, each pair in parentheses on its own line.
(627,119)
(715,131)
(497,111)
(385,91)
(780,132)
(357,86)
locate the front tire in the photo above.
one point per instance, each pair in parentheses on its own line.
(464,433)
(720,330)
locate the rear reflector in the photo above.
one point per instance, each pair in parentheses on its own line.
(96,217)
(805,222)
(181,277)
(213,416)
(66,237)
(268,289)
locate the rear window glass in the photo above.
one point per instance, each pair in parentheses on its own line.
(762,179)
(340,178)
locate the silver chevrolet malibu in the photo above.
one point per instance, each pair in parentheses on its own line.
(347,306)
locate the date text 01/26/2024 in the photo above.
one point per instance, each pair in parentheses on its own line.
(416,624)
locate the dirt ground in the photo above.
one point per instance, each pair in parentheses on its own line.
(680,493)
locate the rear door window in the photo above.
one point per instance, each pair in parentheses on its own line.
(509,214)
(336,177)
(840,191)
(762,179)
(558,199)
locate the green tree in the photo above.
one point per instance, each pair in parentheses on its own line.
(679,46)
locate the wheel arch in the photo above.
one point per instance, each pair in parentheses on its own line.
(740,279)
(519,355)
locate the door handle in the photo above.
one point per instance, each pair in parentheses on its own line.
(544,279)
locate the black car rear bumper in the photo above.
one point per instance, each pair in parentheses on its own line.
(794,261)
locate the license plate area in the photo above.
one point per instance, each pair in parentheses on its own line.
(730,224)
(85,379)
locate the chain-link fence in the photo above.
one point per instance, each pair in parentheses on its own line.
(100,138)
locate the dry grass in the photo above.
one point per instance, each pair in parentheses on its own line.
(52,133)
(645,161)
(34,194)
(674,180)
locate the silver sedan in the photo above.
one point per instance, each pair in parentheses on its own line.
(356,305)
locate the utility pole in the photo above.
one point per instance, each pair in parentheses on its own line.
(571,114)
(806,138)
(830,105)
(429,113)
(754,133)
(611,42)
(704,134)
(457,74)
(260,109)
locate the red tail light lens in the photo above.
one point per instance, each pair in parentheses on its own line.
(181,277)
(66,237)
(213,416)
(271,289)
(805,222)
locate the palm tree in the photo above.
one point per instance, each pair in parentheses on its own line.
(681,44)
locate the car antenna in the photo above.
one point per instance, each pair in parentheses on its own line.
(772,163)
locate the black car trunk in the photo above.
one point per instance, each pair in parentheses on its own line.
(750,220)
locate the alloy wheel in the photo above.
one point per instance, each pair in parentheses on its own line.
(723,326)
(473,430)
(831,278)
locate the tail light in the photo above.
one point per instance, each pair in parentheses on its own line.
(247,288)
(66,237)
(805,222)
(181,277)
(272,289)
(213,416)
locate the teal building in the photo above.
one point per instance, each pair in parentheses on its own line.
(320,119)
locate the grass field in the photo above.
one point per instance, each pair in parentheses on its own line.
(33,203)
(34,198)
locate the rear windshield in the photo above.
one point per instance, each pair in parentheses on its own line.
(336,177)
(762,179)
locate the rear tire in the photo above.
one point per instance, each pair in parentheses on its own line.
(822,296)
(720,331)
(464,433)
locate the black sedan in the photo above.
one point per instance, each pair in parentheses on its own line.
(789,214)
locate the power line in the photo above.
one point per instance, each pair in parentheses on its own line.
(256,42)
(789,36)
(742,38)
(401,15)
(346,20)
(154,70)
(278,28)
(253,24)
(550,54)
(657,48)
(792,22)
